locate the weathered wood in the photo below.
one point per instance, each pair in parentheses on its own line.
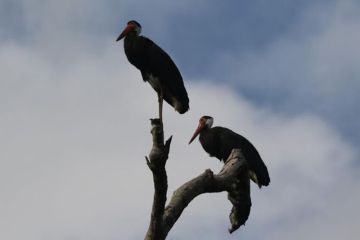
(233,178)
(156,162)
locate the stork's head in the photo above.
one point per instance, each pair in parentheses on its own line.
(132,26)
(205,122)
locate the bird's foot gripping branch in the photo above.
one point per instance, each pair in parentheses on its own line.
(233,178)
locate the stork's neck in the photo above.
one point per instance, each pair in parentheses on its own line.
(130,41)
(204,131)
(131,36)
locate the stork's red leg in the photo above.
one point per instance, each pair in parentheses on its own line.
(160,98)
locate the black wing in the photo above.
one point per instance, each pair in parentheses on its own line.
(230,140)
(158,63)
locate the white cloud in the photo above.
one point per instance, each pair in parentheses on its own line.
(312,68)
(74,140)
(75,130)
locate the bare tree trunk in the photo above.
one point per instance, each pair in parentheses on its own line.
(233,178)
(156,162)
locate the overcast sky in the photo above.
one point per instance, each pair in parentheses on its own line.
(74,113)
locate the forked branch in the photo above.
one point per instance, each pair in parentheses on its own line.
(233,178)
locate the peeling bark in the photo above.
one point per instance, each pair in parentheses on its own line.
(233,178)
(156,162)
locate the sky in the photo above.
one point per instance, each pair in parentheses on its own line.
(74,116)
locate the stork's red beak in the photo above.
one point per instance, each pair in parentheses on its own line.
(197,131)
(125,32)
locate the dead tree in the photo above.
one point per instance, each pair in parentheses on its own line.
(233,178)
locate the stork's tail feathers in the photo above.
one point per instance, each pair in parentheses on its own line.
(180,106)
(182,109)
(259,182)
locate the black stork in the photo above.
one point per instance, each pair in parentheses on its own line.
(156,67)
(219,142)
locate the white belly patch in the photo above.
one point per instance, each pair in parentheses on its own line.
(154,82)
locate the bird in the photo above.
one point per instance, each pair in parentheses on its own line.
(156,67)
(219,142)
